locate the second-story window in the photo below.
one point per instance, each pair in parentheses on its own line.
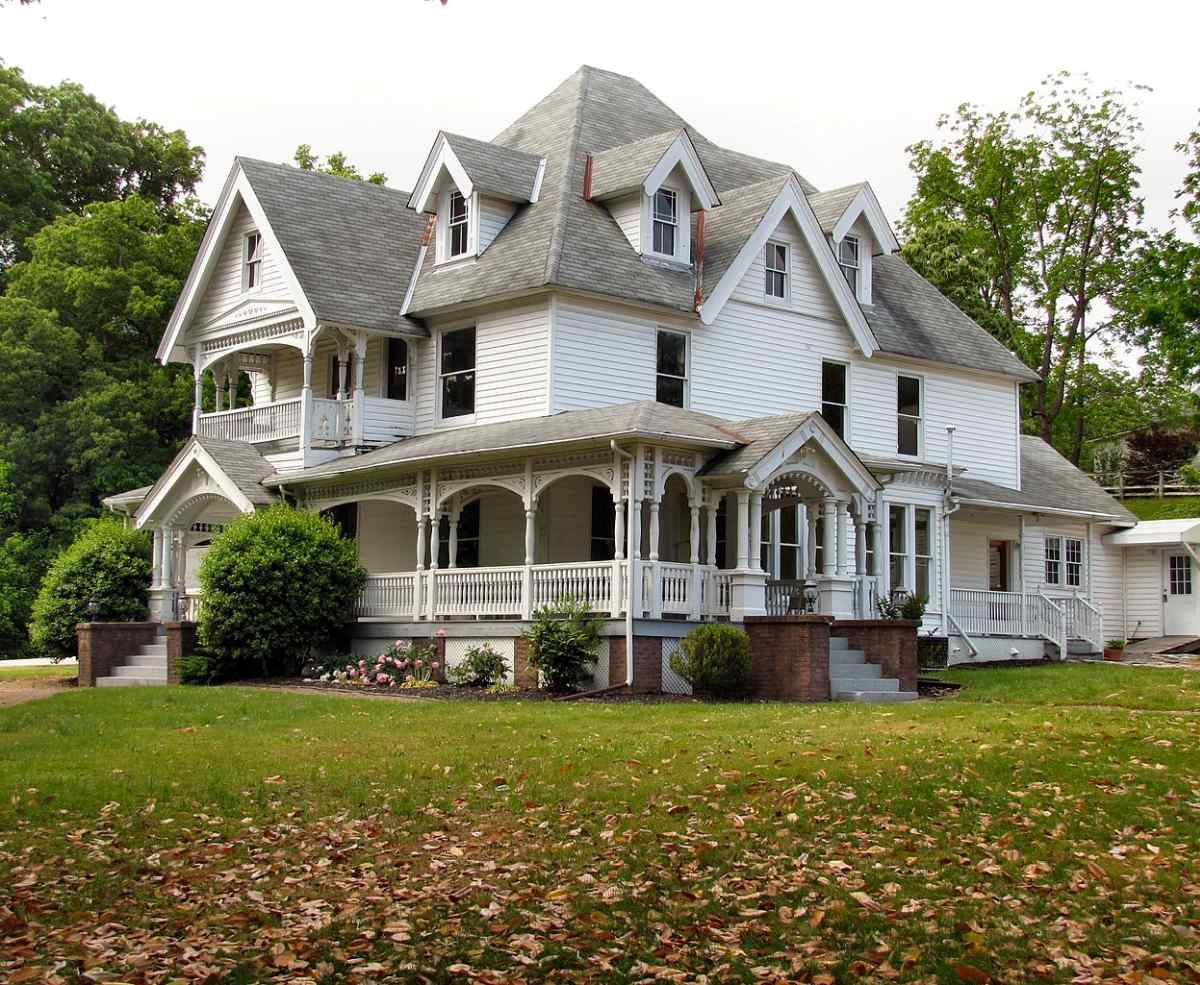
(777,271)
(847,254)
(252,262)
(396,383)
(460,224)
(666,221)
(834,396)
(671,383)
(908,415)
(457,373)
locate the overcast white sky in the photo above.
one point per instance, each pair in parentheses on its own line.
(836,90)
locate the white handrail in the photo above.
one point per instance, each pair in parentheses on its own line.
(965,638)
(387,595)
(264,422)
(587,581)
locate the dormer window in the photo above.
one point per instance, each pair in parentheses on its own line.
(666,221)
(847,254)
(459,224)
(252,262)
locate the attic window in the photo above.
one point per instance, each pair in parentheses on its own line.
(777,271)
(252,262)
(460,215)
(666,221)
(847,254)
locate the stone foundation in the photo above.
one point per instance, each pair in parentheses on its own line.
(789,657)
(890,643)
(101,644)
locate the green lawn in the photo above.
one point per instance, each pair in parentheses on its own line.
(26,673)
(246,834)
(1167,508)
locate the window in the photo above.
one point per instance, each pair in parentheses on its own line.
(396,383)
(908,415)
(777,285)
(457,373)
(252,276)
(833,396)
(335,376)
(923,543)
(460,222)
(1064,561)
(764,542)
(847,255)
(604,517)
(671,384)
(468,538)
(666,221)
(1179,572)
(897,546)
(722,533)
(871,568)
(791,558)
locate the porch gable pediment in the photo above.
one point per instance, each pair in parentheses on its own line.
(193,477)
(249,310)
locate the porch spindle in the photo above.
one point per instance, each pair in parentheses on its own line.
(829,514)
(843,539)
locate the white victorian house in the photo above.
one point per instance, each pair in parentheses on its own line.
(599,355)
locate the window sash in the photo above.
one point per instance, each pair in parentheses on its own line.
(666,222)
(253,260)
(460,221)
(923,549)
(1179,575)
(776,270)
(457,373)
(1053,559)
(908,423)
(848,260)
(1073,557)
(835,396)
(671,377)
(898,552)
(396,382)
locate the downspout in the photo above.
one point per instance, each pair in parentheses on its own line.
(950,506)
(612,443)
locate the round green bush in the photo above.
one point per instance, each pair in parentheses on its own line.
(277,585)
(107,565)
(564,640)
(715,660)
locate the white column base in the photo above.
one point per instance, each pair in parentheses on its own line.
(747,594)
(835,596)
(161,608)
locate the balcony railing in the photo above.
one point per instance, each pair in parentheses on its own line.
(267,422)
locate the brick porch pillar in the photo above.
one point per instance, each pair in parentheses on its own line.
(101,644)
(789,657)
(181,642)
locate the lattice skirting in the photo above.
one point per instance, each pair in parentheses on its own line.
(600,676)
(672,683)
(456,652)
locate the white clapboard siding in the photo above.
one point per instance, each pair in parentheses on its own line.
(512,362)
(493,216)
(970,535)
(385,421)
(627,213)
(1143,587)
(808,292)
(224,289)
(1106,581)
(603,355)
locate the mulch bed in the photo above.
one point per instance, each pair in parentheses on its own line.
(928,687)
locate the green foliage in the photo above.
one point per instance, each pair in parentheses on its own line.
(195,668)
(1170,508)
(1189,475)
(107,566)
(715,660)
(1115,645)
(481,667)
(335,164)
(564,640)
(902,606)
(277,585)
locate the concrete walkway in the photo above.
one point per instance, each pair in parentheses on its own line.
(39,662)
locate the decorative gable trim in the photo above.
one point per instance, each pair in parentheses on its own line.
(193,453)
(865,204)
(236,191)
(441,158)
(791,199)
(643,167)
(814,428)
(682,153)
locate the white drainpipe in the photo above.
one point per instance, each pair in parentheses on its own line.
(949,507)
(628,563)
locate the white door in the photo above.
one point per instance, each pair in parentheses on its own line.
(1180,617)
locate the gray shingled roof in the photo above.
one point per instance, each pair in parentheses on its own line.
(1048,482)
(911,317)
(624,168)
(639,418)
(829,205)
(726,229)
(351,244)
(243,464)
(500,172)
(761,435)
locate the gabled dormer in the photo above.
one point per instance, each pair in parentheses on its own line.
(857,229)
(473,188)
(651,187)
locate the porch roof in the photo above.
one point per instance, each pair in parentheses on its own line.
(643,419)
(1159,533)
(128,501)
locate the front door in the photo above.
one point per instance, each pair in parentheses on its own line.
(1180,617)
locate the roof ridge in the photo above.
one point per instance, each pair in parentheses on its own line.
(321,175)
(558,234)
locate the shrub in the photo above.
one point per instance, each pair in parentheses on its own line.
(104,575)
(406,663)
(564,640)
(1189,475)
(902,606)
(277,585)
(481,667)
(715,660)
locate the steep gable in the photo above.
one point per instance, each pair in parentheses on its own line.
(225,302)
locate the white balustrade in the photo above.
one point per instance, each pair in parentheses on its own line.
(187,608)
(589,582)
(327,420)
(387,595)
(779,595)
(479,591)
(985,613)
(676,582)
(717,592)
(266,422)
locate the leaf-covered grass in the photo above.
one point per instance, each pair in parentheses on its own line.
(38,673)
(1110,684)
(1168,508)
(247,834)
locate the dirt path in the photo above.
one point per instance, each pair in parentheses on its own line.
(20,690)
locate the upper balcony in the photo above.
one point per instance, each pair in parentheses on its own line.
(332,423)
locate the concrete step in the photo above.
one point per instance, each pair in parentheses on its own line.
(864,683)
(838,643)
(875,697)
(838,657)
(131,681)
(136,670)
(154,649)
(854,669)
(146,660)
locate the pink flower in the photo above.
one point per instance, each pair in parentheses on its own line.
(418,663)
(435,665)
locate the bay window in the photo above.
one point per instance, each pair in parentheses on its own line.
(457,373)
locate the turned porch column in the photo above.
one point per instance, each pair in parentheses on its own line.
(156,559)
(843,538)
(635,555)
(343,359)
(168,570)
(655,602)
(197,392)
(422,522)
(860,564)
(812,513)
(617,600)
(360,400)
(712,532)
(695,609)
(829,515)
(530,543)
(756,531)
(743,529)
(452,547)
(232,379)
(306,407)
(219,384)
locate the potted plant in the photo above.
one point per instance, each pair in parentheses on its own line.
(1114,650)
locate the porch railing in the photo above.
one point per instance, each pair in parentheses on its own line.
(267,422)
(332,420)
(676,583)
(589,581)
(1084,620)
(779,595)
(387,595)
(717,591)
(984,613)
(479,591)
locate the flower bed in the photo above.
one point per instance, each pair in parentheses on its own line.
(409,664)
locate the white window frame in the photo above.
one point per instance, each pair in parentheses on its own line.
(1179,576)
(252,264)
(439,376)
(919,418)
(1064,565)
(687,365)
(854,264)
(453,225)
(930,583)
(409,367)
(771,273)
(673,222)
(846,406)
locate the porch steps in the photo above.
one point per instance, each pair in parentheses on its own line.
(852,678)
(146,668)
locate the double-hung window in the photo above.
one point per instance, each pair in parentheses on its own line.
(666,221)
(252,261)
(834,396)
(908,415)
(898,546)
(791,557)
(1064,561)
(671,380)
(396,381)
(777,271)
(457,372)
(460,224)
(847,256)
(923,546)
